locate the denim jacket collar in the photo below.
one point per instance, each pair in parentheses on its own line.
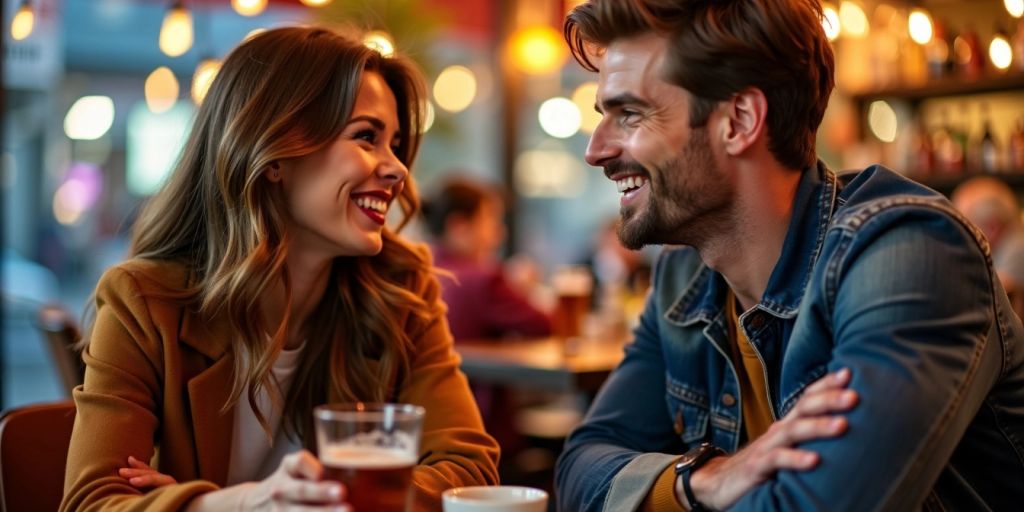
(813,206)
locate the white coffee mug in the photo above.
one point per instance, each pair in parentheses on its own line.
(500,498)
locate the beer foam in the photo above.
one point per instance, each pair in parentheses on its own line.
(373,457)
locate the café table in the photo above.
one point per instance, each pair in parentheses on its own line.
(548,364)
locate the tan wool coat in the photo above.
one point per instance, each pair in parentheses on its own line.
(157,377)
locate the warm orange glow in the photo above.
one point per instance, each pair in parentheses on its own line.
(538,50)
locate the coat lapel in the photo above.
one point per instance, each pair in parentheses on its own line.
(208,391)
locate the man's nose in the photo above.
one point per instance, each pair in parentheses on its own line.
(602,146)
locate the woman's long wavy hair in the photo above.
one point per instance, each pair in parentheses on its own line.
(284,94)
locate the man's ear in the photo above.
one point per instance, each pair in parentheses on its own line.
(745,118)
(273,172)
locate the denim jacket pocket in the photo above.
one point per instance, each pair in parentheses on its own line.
(688,409)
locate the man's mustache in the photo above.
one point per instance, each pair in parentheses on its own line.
(619,167)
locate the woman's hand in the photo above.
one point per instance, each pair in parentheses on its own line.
(140,475)
(295,485)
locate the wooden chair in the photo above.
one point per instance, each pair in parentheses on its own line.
(34,443)
(61,333)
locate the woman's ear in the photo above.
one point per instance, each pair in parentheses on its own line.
(273,172)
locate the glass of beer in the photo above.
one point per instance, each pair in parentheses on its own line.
(371,449)
(573,285)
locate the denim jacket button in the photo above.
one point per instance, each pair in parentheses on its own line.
(728,400)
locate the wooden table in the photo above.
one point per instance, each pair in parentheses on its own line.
(552,364)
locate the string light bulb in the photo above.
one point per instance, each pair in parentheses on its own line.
(316,3)
(23,22)
(176,30)
(249,7)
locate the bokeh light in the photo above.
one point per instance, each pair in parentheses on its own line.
(830,21)
(584,97)
(920,26)
(176,31)
(23,22)
(249,7)
(559,117)
(206,71)
(999,52)
(381,42)
(89,118)
(538,50)
(455,88)
(853,20)
(161,90)
(882,121)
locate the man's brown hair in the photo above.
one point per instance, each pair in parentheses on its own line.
(717,48)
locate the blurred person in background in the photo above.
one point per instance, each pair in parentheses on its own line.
(811,341)
(991,205)
(263,282)
(466,221)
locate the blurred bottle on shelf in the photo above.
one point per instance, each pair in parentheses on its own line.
(937,51)
(970,60)
(1017,44)
(922,154)
(986,150)
(1015,152)
(949,152)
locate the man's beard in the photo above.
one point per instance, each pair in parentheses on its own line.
(675,213)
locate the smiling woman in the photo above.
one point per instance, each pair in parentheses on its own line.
(264,282)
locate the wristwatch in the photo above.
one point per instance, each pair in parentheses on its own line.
(690,462)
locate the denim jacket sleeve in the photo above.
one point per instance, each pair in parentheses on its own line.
(905,293)
(627,438)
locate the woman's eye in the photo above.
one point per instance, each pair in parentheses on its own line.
(367,135)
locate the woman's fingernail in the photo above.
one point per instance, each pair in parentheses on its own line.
(334,492)
(842,374)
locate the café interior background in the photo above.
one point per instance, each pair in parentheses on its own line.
(98,94)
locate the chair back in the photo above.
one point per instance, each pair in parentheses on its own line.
(34,443)
(61,333)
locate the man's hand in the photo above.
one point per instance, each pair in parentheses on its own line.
(723,480)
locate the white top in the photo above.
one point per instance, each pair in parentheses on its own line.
(253,456)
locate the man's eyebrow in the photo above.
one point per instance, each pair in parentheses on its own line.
(620,100)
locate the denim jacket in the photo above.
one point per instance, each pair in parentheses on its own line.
(877,274)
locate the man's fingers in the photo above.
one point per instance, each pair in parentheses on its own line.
(302,465)
(791,459)
(824,402)
(836,379)
(136,463)
(304,491)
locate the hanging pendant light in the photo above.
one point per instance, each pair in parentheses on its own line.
(176,30)
(23,22)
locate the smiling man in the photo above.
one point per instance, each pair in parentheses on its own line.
(813,341)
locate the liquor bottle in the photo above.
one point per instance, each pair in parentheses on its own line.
(937,51)
(1015,154)
(988,150)
(1017,43)
(969,58)
(922,155)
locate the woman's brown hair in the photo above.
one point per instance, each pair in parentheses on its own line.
(284,94)
(717,48)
